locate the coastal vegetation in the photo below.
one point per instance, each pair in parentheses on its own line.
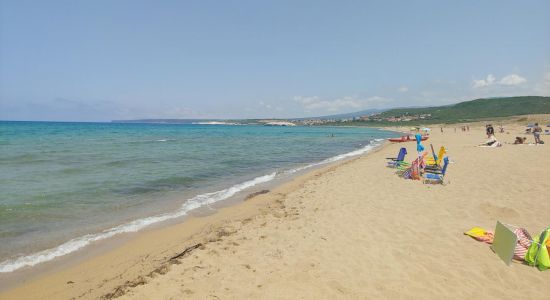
(468,111)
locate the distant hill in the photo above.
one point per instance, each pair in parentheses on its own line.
(480,108)
(345,115)
(250,121)
(473,110)
(467,111)
(159,121)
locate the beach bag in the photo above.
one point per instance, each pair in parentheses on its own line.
(537,255)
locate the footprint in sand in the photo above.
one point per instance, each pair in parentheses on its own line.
(496,211)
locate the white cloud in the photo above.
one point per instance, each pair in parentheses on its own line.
(508,80)
(347,102)
(484,82)
(270,107)
(376,100)
(543,87)
(265,105)
(512,79)
(316,103)
(403,89)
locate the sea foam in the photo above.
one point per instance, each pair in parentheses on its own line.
(136,225)
(83,241)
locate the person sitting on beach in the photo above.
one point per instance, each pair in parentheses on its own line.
(520,140)
(536,132)
(491,142)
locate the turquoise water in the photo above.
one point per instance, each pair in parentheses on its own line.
(65,185)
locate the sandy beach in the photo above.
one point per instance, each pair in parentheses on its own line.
(353,230)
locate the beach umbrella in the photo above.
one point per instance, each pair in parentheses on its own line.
(419,148)
(426,129)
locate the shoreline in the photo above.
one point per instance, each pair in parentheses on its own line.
(173,204)
(222,211)
(348,230)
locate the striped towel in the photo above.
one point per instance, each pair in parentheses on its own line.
(523,244)
(408,173)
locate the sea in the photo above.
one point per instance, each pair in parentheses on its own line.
(65,186)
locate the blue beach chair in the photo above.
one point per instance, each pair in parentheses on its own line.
(436,176)
(394,161)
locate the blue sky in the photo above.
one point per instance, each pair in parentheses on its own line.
(102,60)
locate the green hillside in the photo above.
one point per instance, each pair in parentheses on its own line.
(479,109)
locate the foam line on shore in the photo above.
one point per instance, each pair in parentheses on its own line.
(371,145)
(139,224)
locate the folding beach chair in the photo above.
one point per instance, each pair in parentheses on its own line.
(394,161)
(402,166)
(435,160)
(436,176)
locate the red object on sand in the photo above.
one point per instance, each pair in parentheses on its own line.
(406,138)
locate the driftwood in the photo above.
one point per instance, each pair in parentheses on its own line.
(186,251)
(162,269)
(252,195)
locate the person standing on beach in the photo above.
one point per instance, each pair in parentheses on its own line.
(536,133)
(489,130)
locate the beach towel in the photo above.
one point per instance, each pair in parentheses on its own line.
(522,246)
(412,171)
(480,234)
(491,142)
(523,243)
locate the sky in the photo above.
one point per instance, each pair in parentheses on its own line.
(129,59)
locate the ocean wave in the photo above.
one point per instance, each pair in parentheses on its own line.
(136,225)
(157,185)
(23,159)
(83,241)
(214,123)
(372,144)
(150,141)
